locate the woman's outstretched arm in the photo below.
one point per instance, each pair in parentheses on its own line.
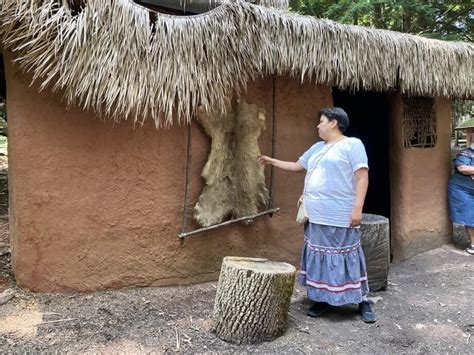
(284,165)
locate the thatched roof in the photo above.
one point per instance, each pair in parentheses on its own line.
(118,59)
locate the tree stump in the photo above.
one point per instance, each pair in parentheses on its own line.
(460,236)
(376,245)
(252,300)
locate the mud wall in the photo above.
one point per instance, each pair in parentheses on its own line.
(97,205)
(418,181)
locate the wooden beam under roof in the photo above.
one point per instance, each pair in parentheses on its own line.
(180,7)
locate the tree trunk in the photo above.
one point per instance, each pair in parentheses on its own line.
(376,245)
(460,236)
(252,300)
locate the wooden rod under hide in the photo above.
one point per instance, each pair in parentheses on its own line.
(240,219)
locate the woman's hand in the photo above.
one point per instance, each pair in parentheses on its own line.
(285,165)
(356,218)
(264,160)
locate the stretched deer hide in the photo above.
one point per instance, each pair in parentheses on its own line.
(235,183)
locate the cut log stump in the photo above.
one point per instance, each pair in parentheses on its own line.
(252,300)
(376,245)
(460,236)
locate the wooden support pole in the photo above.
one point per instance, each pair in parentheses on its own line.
(240,219)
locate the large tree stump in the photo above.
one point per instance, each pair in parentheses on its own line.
(376,245)
(252,300)
(460,236)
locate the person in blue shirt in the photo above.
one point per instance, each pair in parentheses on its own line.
(333,268)
(461,188)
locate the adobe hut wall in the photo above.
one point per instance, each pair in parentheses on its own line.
(98,205)
(419,178)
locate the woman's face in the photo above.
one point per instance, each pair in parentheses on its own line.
(325,126)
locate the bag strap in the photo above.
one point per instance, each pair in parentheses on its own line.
(318,161)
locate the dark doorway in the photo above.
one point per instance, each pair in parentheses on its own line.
(369,116)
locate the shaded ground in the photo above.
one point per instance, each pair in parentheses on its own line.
(427,309)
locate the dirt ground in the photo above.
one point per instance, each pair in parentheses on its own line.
(427,308)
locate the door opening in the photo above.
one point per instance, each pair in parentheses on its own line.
(369,115)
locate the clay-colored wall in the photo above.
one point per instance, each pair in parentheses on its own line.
(419,177)
(97,205)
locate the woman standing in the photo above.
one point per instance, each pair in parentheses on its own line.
(332,262)
(461,186)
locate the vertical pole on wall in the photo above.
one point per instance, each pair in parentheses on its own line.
(272,153)
(184,225)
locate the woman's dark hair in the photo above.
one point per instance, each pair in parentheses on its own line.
(338,114)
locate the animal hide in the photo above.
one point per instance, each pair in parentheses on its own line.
(235,182)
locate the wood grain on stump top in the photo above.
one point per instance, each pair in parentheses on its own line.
(260,265)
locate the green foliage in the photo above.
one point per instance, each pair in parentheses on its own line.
(447,20)
(462,111)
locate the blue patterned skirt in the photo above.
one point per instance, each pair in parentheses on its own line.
(461,204)
(333,265)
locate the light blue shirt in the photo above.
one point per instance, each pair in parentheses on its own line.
(330,181)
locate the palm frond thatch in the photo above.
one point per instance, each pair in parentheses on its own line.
(277,4)
(119,59)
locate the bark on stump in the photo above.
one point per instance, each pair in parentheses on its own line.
(252,300)
(460,236)
(376,245)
